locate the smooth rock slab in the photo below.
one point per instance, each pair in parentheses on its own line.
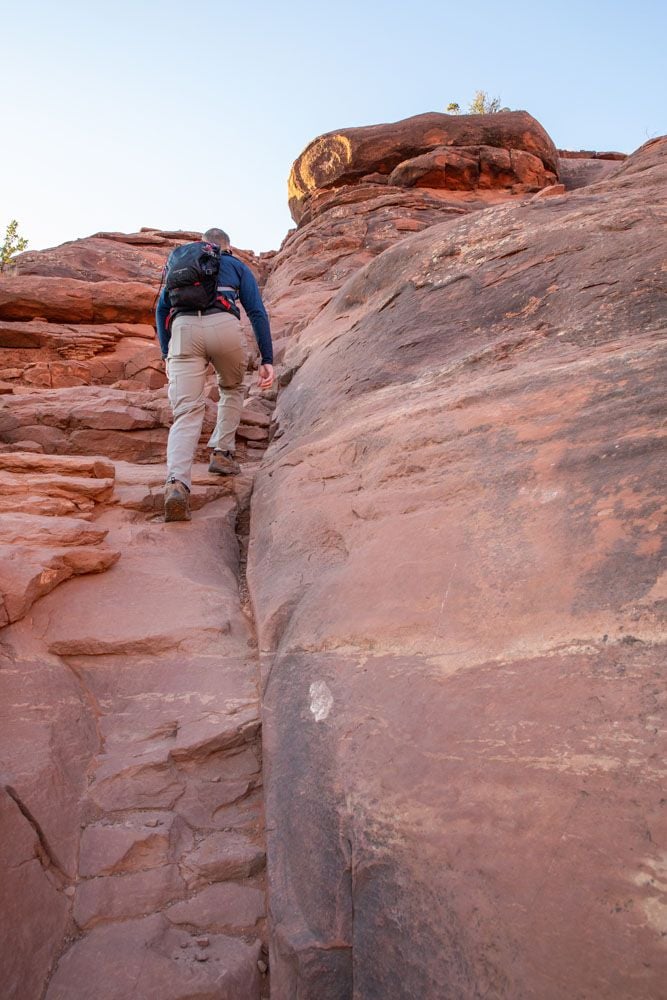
(460,630)
(148,960)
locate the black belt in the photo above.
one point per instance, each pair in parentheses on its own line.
(206,312)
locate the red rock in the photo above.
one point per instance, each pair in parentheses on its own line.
(30,446)
(252,432)
(589,154)
(135,843)
(459,629)
(146,959)
(29,573)
(225,906)
(466,168)
(461,164)
(38,553)
(25,529)
(456,169)
(352,155)
(132,727)
(119,897)
(550,192)
(115,418)
(67,300)
(580,172)
(29,898)
(442,538)
(222,857)
(95,467)
(255,414)
(168,617)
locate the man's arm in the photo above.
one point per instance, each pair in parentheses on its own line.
(161,313)
(251,300)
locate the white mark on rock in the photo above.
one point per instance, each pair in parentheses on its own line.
(449,584)
(321,700)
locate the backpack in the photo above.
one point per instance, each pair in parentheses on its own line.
(192,276)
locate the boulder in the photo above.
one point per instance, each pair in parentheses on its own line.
(350,156)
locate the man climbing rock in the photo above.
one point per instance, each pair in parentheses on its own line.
(197,320)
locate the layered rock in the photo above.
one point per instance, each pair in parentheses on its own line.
(356,192)
(454,567)
(82,313)
(130,794)
(582,167)
(131,758)
(125,424)
(38,548)
(507,149)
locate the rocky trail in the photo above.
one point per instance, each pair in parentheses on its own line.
(386,719)
(131,707)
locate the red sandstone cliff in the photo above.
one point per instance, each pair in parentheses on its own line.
(454,572)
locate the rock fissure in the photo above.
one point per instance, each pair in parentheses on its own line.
(43,851)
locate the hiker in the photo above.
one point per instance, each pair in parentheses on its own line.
(197,321)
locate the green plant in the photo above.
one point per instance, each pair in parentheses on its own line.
(13,243)
(481,104)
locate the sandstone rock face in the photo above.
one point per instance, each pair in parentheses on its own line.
(129,717)
(455,572)
(578,169)
(356,192)
(76,314)
(375,152)
(131,765)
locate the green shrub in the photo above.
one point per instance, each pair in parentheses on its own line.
(13,243)
(481,104)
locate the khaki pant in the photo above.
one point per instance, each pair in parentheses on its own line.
(196,340)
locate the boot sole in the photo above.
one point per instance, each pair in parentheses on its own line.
(176,509)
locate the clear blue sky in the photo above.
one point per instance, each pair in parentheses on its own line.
(185,115)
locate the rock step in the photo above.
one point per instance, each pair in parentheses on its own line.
(169,894)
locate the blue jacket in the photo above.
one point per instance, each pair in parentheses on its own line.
(233,274)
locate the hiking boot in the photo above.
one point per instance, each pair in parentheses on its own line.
(223,463)
(176,501)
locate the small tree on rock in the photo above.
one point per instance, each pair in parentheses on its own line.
(481,104)
(13,243)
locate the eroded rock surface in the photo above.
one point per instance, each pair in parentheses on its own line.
(455,568)
(384,153)
(135,701)
(356,192)
(130,780)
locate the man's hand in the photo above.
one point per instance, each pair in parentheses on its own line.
(265,377)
